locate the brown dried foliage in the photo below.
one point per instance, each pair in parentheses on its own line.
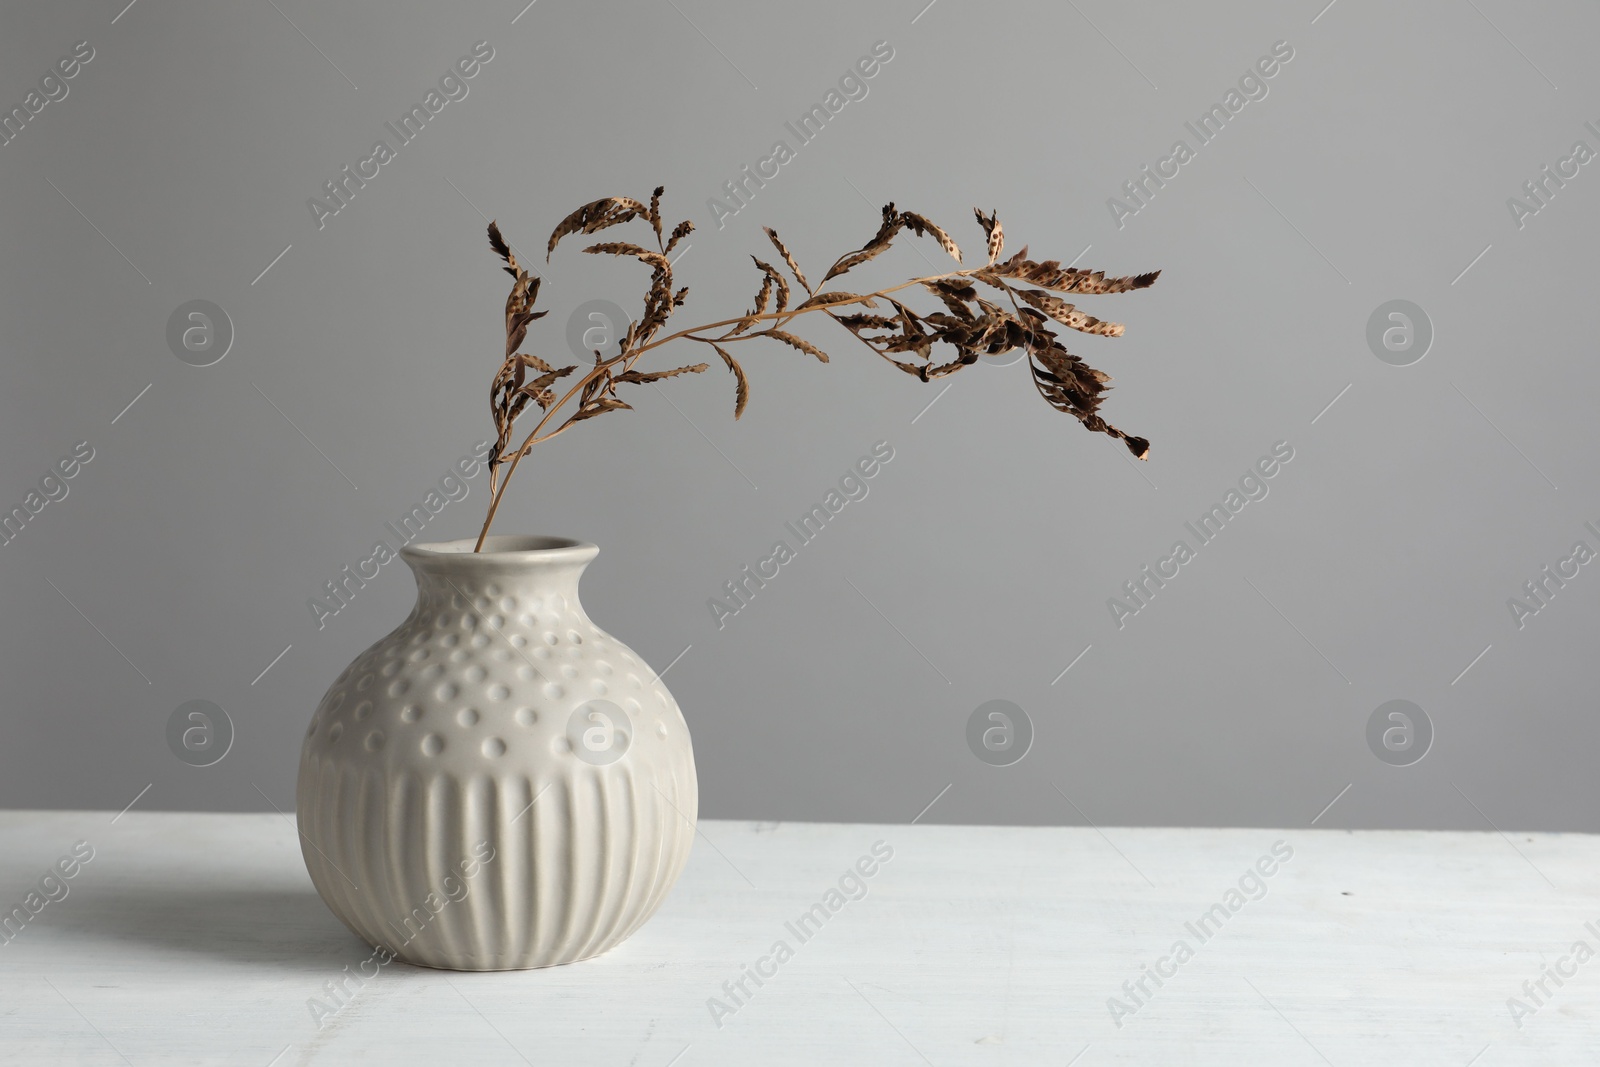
(1027,303)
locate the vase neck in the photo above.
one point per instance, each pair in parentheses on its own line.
(504,578)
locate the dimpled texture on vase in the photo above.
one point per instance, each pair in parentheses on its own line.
(498,783)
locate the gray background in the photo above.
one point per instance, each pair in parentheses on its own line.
(1378,568)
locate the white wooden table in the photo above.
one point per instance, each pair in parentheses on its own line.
(198,939)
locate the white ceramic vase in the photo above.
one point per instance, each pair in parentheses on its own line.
(498,783)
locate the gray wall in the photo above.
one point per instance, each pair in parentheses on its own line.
(1379,566)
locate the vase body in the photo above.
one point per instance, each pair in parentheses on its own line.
(498,783)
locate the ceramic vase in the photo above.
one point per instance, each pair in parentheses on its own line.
(499,783)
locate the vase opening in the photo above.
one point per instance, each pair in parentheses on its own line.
(443,567)
(532,545)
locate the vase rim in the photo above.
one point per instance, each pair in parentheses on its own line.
(502,549)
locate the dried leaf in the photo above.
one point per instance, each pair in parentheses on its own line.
(1097,282)
(954,293)
(544,381)
(993,231)
(796,342)
(822,300)
(1068,315)
(788,259)
(778,280)
(679,232)
(518,315)
(618,248)
(535,362)
(920,224)
(539,388)
(741,395)
(657,308)
(502,249)
(655,210)
(1051,275)
(644,377)
(1071,386)
(872,249)
(596,215)
(863,322)
(599,406)
(623,248)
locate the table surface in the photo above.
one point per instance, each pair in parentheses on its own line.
(199,939)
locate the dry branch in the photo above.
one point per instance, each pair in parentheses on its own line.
(966,323)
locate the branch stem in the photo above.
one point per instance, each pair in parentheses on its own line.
(627,359)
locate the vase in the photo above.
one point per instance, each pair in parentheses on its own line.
(499,783)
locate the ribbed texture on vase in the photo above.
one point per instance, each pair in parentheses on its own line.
(463,873)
